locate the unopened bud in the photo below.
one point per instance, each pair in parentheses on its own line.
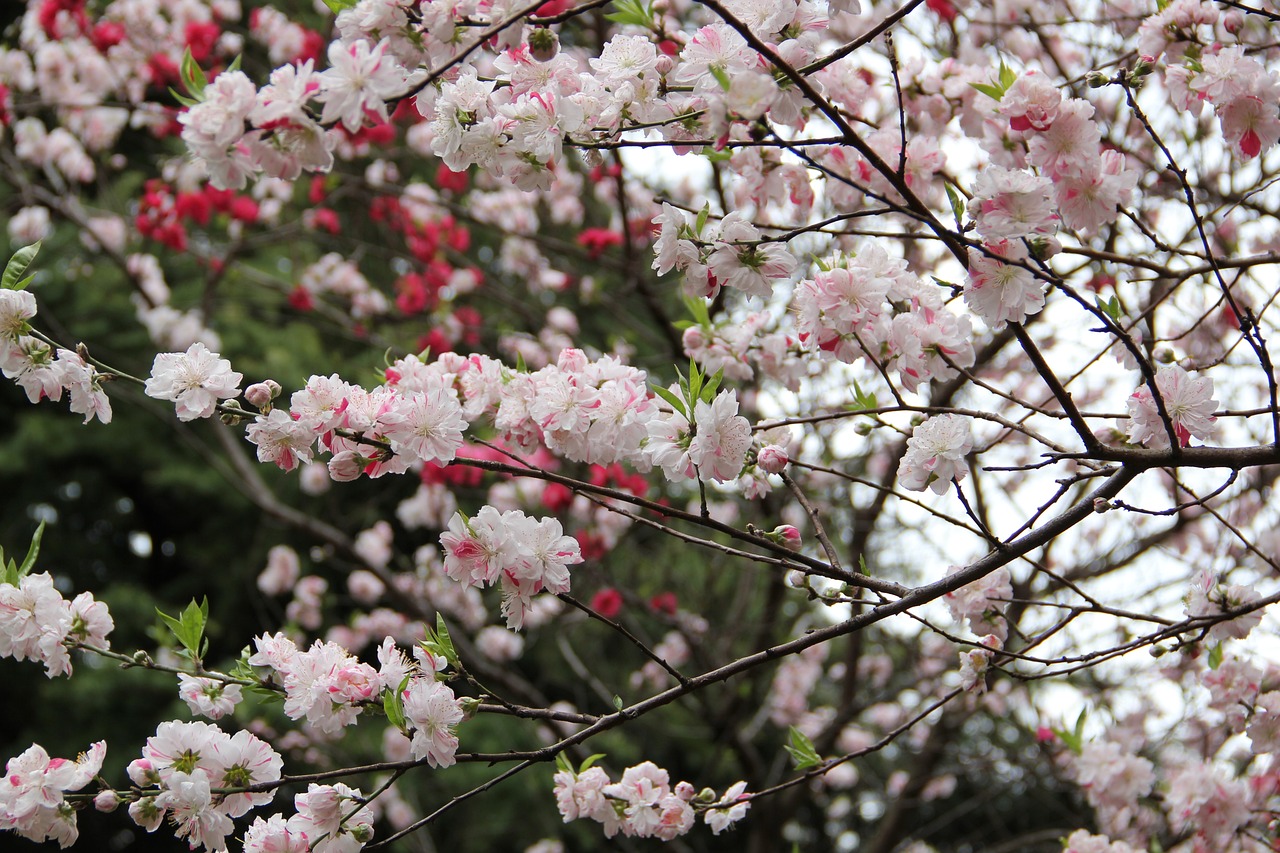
(544,44)
(106,801)
(787,536)
(262,393)
(772,459)
(1101,505)
(1096,80)
(863,428)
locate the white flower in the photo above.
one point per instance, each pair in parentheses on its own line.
(194,380)
(359,79)
(1188,402)
(721,440)
(935,454)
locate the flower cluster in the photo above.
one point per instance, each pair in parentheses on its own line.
(525,555)
(31,793)
(643,804)
(870,306)
(42,372)
(37,623)
(182,765)
(330,819)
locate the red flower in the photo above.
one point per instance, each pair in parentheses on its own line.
(607,602)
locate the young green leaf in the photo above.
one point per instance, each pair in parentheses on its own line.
(957,204)
(590,760)
(336,6)
(563,764)
(393,704)
(675,402)
(192,75)
(800,748)
(32,552)
(695,383)
(617,702)
(17,266)
(701,222)
(188,627)
(711,386)
(993,92)
(721,76)
(1215,656)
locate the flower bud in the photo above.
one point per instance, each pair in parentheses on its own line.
(694,339)
(1096,80)
(772,459)
(787,536)
(863,428)
(262,393)
(544,44)
(347,466)
(106,801)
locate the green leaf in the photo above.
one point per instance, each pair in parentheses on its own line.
(1215,656)
(235,63)
(1007,76)
(563,763)
(801,750)
(632,12)
(695,383)
(993,92)
(192,75)
(521,367)
(721,76)
(1110,307)
(722,156)
(181,98)
(1074,739)
(617,702)
(591,759)
(957,204)
(711,386)
(32,552)
(703,216)
(17,266)
(439,642)
(862,565)
(698,308)
(393,704)
(675,402)
(188,628)
(861,400)
(336,6)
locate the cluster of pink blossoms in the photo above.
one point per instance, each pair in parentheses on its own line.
(40,371)
(729,252)
(715,448)
(328,820)
(36,623)
(1244,94)
(526,555)
(643,804)
(31,793)
(935,454)
(871,306)
(329,688)
(982,603)
(182,765)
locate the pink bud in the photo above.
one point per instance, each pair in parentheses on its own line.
(346,466)
(106,801)
(694,339)
(262,393)
(772,459)
(787,536)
